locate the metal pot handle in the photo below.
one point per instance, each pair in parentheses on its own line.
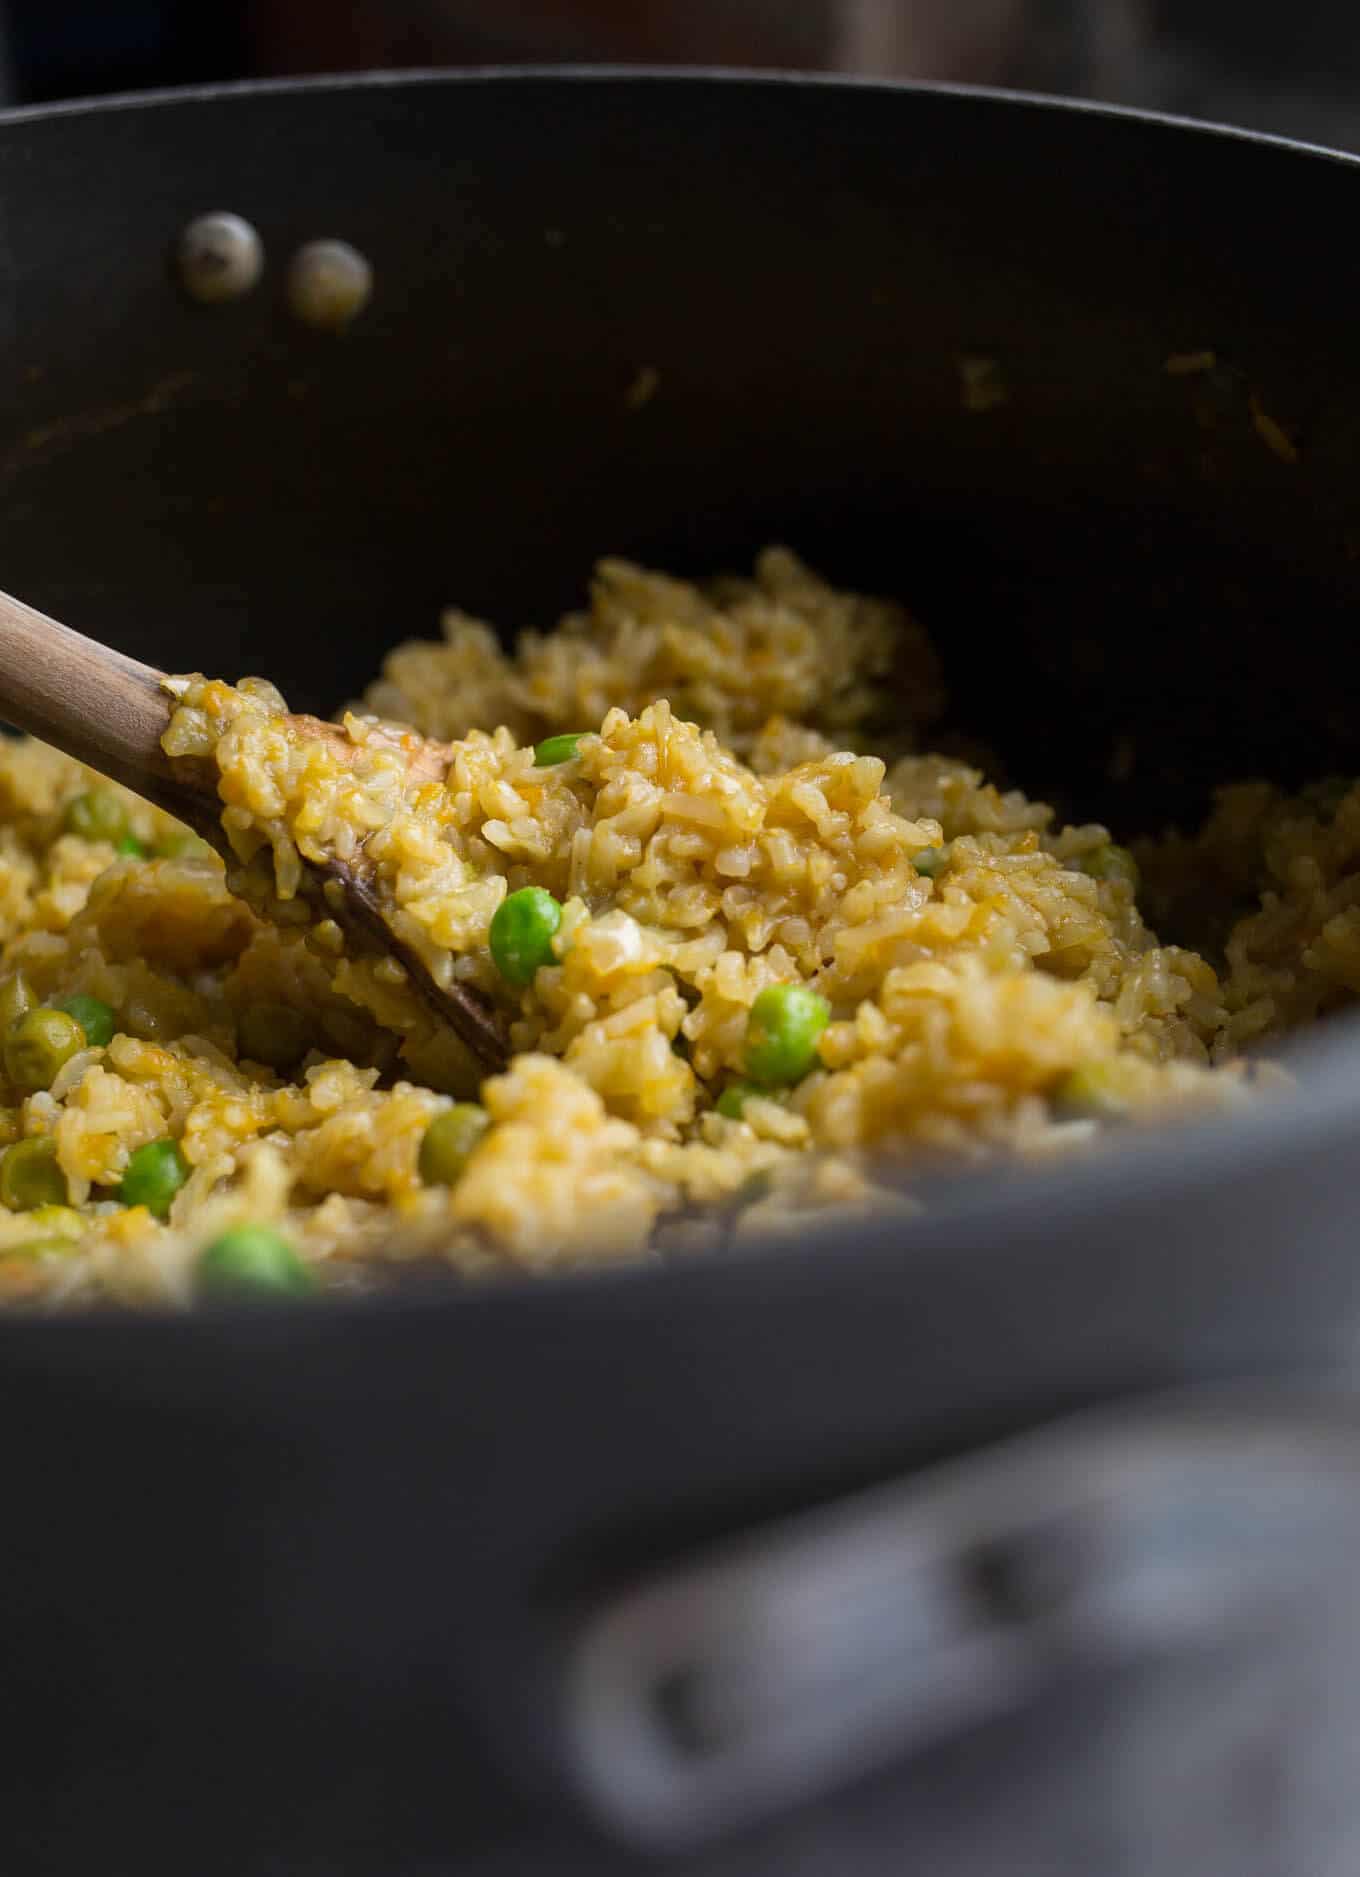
(776,1667)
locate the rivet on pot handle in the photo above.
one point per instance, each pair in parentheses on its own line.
(779,1666)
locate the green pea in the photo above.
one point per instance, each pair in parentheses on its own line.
(97,815)
(154,1175)
(1111,862)
(93,1015)
(30,1175)
(252,1260)
(132,847)
(557,749)
(931,861)
(1093,1091)
(449,1141)
(733,1100)
(274,1034)
(782,1032)
(16,1000)
(522,933)
(37,1046)
(181,845)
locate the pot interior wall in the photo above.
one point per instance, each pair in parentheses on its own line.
(1114,555)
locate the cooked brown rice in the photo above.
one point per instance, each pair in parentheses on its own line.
(986,970)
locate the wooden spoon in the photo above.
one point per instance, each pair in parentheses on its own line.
(110,713)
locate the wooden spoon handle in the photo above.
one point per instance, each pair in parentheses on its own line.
(94,703)
(109,712)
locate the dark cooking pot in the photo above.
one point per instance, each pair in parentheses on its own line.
(336,1590)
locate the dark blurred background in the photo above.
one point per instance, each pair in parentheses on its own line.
(1293,69)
